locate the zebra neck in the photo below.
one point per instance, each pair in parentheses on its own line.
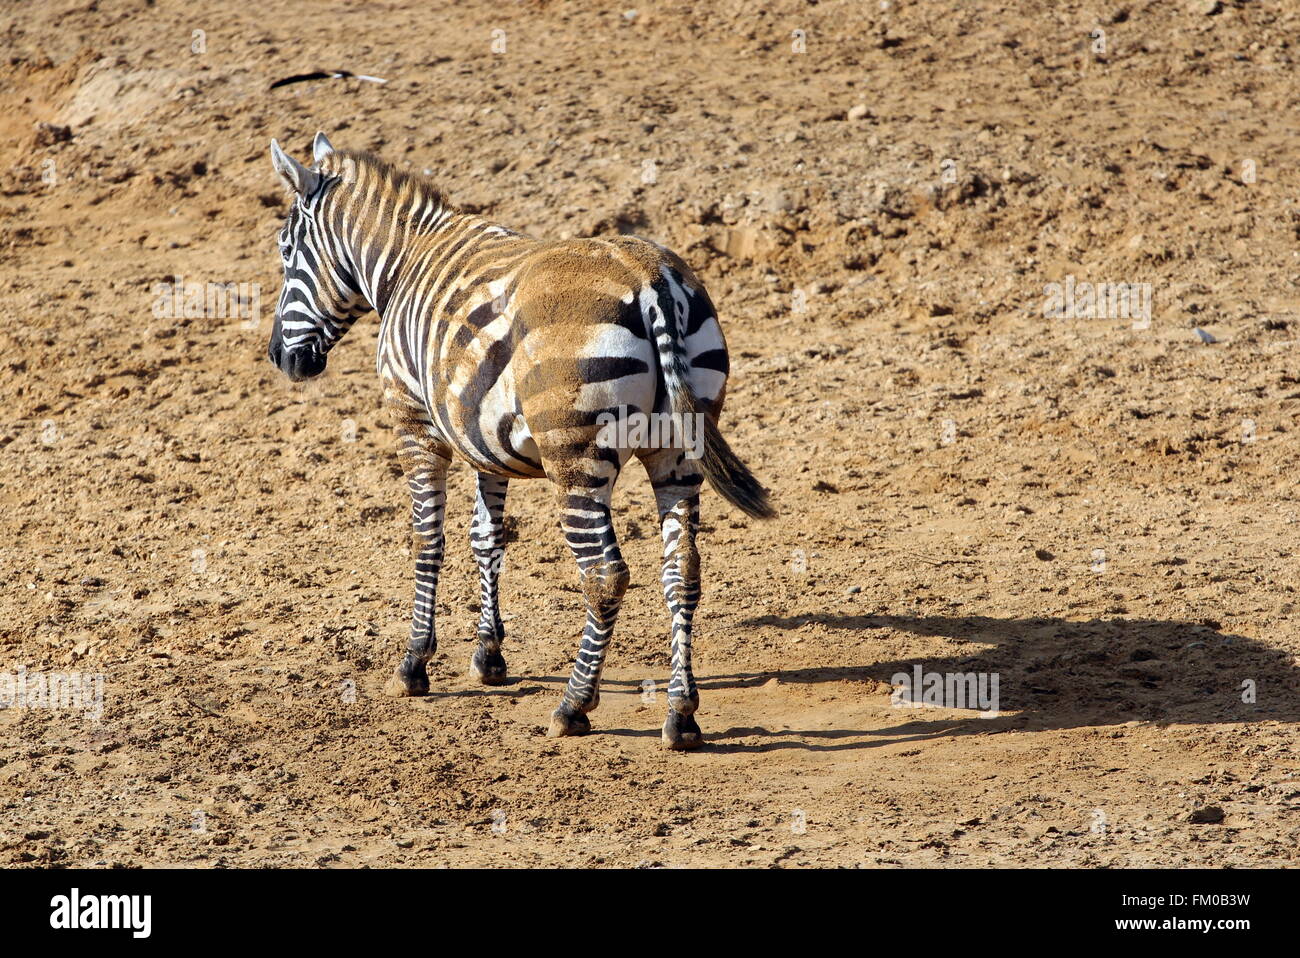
(387,249)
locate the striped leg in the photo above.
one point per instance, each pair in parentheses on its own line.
(487,539)
(590,533)
(677,496)
(427,479)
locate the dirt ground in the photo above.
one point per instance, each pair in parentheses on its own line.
(877,195)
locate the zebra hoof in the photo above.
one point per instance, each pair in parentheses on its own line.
(410,679)
(488,667)
(567,721)
(682,733)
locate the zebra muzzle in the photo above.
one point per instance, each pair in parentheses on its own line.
(298,364)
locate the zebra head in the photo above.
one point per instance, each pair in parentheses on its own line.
(320,298)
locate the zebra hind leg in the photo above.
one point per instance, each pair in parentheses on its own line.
(676,481)
(589,530)
(427,480)
(487,537)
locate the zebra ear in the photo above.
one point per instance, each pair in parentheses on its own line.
(295,176)
(321,147)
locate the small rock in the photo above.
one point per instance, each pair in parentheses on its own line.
(47,134)
(857,112)
(854,589)
(1206,815)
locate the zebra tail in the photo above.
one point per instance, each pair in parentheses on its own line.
(726,472)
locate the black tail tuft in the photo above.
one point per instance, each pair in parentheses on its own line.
(730,477)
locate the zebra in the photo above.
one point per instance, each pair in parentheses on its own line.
(516,355)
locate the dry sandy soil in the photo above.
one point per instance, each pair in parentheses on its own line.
(877,199)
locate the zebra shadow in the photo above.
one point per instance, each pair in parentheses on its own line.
(1052,673)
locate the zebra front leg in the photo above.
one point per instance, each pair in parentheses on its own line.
(678,500)
(428,484)
(590,533)
(487,539)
